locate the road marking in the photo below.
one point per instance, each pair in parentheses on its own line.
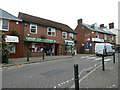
(98,58)
(91,57)
(78,75)
(106,60)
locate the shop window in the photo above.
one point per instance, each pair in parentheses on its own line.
(68,49)
(13,49)
(4,24)
(51,31)
(33,28)
(71,35)
(64,35)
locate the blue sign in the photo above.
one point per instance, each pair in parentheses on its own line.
(87,46)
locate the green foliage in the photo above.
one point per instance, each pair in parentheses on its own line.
(43,36)
(13,32)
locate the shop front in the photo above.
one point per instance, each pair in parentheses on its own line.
(13,45)
(69,48)
(37,45)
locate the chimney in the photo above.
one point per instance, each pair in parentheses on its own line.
(101,25)
(79,21)
(111,25)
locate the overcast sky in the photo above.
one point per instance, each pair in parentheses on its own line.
(66,11)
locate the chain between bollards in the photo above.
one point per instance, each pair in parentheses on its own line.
(76,77)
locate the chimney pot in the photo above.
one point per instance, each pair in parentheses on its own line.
(79,21)
(111,25)
(101,25)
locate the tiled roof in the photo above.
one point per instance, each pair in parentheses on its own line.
(6,15)
(98,29)
(45,22)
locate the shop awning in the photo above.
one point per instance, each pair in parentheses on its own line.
(68,42)
(32,39)
(14,39)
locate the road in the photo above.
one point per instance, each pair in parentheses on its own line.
(49,74)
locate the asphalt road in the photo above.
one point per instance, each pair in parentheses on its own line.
(49,74)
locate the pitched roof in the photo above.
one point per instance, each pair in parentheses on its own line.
(6,15)
(98,29)
(45,22)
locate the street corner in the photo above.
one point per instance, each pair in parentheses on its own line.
(102,79)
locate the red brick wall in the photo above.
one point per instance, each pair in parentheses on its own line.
(43,30)
(83,33)
(17,27)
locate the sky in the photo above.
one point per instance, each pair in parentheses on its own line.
(66,11)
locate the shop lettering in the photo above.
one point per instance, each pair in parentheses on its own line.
(39,40)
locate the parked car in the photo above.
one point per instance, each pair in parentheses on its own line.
(104,48)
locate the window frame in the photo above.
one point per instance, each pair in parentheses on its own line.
(15,47)
(71,34)
(52,30)
(35,28)
(1,25)
(97,34)
(105,37)
(65,35)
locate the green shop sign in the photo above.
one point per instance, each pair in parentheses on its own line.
(32,39)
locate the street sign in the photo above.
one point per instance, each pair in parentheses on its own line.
(87,46)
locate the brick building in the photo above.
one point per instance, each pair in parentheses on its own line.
(88,35)
(38,34)
(11,26)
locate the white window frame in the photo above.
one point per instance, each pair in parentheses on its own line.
(97,34)
(112,37)
(71,35)
(1,23)
(65,35)
(105,37)
(52,30)
(35,28)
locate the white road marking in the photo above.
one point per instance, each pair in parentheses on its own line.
(107,60)
(79,75)
(98,59)
(91,57)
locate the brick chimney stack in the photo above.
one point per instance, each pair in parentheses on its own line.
(101,25)
(80,21)
(111,25)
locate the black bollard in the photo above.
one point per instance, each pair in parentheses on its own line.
(103,66)
(76,77)
(43,53)
(113,57)
(28,55)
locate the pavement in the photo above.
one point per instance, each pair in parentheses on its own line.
(98,78)
(21,61)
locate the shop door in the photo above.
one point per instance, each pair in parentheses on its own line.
(56,49)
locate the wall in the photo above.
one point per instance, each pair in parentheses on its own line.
(17,27)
